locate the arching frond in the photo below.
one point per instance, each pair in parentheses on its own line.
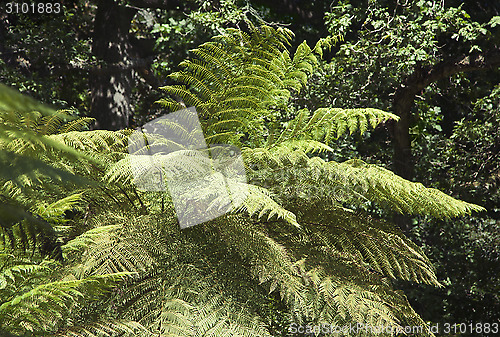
(389,190)
(326,124)
(108,328)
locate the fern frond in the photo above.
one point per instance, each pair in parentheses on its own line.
(259,201)
(109,253)
(88,238)
(394,192)
(326,124)
(108,328)
(19,226)
(385,249)
(79,124)
(54,212)
(97,140)
(355,181)
(51,301)
(25,172)
(271,261)
(245,74)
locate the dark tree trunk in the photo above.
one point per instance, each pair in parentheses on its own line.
(402,157)
(111,81)
(118,55)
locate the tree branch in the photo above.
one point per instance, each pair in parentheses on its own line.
(422,77)
(404,98)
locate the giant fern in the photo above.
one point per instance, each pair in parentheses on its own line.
(300,239)
(241,83)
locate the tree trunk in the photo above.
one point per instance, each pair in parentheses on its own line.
(111,81)
(402,158)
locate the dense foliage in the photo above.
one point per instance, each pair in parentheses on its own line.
(468,252)
(322,235)
(301,232)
